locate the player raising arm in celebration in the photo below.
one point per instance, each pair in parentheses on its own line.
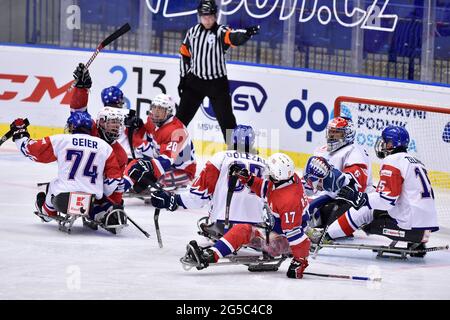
(85,164)
(403,202)
(109,125)
(288,204)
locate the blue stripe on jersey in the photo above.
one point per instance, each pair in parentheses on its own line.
(295,237)
(223,248)
(277,226)
(165,163)
(201,194)
(127,184)
(388,199)
(110,181)
(351,220)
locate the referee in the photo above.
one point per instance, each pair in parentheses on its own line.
(203,70)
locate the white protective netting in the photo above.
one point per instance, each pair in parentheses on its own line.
(429,130)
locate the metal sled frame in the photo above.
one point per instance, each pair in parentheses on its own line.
(255,263)
(146,194)
(391,251)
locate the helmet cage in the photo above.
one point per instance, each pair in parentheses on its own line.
(339,134)
(110,124)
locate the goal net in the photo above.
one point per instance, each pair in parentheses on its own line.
(429,130)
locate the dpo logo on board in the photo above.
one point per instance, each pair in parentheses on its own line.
(244,96)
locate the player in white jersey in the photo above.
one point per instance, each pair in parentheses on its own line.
(85,163)
(402,207)
(347,163)
(211,187)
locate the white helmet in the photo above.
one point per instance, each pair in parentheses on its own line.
(281,166)
(110,123)
(163,101)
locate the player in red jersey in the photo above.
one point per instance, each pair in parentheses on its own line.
(288,204)
(168,151)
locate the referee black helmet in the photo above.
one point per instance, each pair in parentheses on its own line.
(207,7)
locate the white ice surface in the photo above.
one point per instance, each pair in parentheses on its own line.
(39,262)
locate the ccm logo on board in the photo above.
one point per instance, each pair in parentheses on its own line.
(45,85)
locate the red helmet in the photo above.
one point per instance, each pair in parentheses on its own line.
(340,132)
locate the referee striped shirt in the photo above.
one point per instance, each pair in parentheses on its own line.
(203,51)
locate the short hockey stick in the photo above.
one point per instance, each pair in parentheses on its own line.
(319,245)
(9,134)
(158,231)
(341,276)
(156,216)
(138,227)
(114,36)
(231,186)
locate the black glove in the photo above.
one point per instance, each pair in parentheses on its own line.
(181,85)
(296,268)
(164,200)
(82,77)
(143,174)
(243,174)
(355,198)
(133,122)
(251,31)
(19,129)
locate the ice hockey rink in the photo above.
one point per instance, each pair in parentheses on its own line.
(37,261)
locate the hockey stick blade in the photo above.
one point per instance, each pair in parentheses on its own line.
(342,276)
(9,134)
(116,34)
(145,233)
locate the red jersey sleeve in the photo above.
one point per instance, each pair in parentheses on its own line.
(360,174)
(205,183)
(113,182)
(37,150)
(388,190)
(79,100)
(258,185)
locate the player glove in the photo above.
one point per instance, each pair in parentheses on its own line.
(133,122)
(317,167)
(143,175)
(251,31)
(296,268)
(244,176)
(355,198)
(19,129)
(82,77)
(164,200)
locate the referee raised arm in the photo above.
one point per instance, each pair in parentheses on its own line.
(203,69)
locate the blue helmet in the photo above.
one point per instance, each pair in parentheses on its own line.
(243,137)
(397,137)
(79,122)
(112,96)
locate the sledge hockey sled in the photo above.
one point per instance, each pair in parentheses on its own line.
(255,263)
(392,251)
